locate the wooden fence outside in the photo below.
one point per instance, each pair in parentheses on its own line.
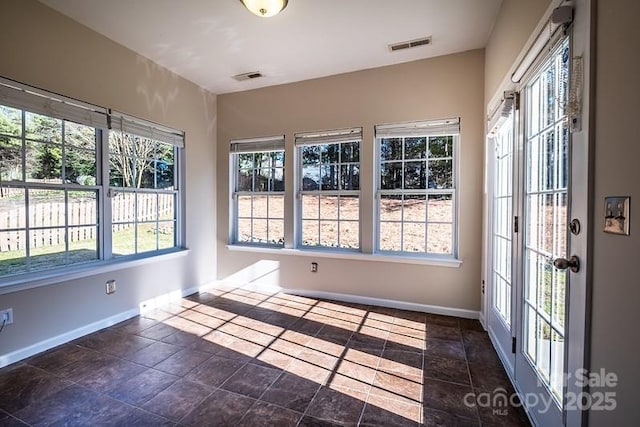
(82,217)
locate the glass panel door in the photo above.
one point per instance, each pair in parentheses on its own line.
(545,210)
(501,293)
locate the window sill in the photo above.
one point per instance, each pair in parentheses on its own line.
(356,256)
(44,278)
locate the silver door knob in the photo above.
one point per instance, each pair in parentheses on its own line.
(562,263)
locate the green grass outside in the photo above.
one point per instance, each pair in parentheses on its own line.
(123,242)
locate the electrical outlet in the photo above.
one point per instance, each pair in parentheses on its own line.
(6,316)
(314,267)
(110,287)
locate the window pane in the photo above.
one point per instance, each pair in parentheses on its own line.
(262,180)
(10,121)
(80,136)
(261,160)
(330,153)
(349,234)
(329,177)
(44,163)
(123,207)
(415,175)
(147,237)
(390,208)
(329,207)
(440,174)
(415,148)
(439,238)
(80,166)
(276,232)
(244,206)
(441,146)
(310,207)
(278,179)
(82,207)
(349,208)
(10,158)
(47,248)
(166,234)
(391,149)
(260,231)
(413,238)
(83,244)
(244,230)
(310,233)
(164,166)
(277,159)
(12,208)
(13,252)
(259,208)
(350,177)
(310,155)
(144,172)
(245,180)
(329,233)
(390,236)
(415,208)
(245,161)
(350,152)
(43,128)
(391,176)
(166,206)
(46,208)
(440,208)
(310,178)
(276,207)
(147,207)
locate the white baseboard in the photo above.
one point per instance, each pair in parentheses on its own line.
(23,353)
(39,347)
(403,305)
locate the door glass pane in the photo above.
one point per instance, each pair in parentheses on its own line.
(503,218)
(546,211)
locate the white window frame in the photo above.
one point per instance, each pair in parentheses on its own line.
(246,146)
(339,136)
(430,128)
(158,134)
(30,99)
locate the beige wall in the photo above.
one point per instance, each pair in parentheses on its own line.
(428,89)
(516,21)
(46,49)
(616,278)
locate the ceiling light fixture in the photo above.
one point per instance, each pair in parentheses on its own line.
(265,8)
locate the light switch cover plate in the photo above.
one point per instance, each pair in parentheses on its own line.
(616,215)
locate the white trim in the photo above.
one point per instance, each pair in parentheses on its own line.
(39,347)
(45,278)
(357,256)
(402,305)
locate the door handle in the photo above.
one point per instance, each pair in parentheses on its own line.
(562,263)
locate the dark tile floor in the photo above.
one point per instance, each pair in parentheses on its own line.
(240,357)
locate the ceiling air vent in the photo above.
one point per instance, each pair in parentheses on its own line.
(409,44)
(248,76)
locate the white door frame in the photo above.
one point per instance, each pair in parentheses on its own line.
(580,207)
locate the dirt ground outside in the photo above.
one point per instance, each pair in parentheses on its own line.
(416,225)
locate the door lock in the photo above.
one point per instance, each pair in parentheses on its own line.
(562,263)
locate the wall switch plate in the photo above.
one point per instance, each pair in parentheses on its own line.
(314,267)
(110,287)
(616,215)
(6,317)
